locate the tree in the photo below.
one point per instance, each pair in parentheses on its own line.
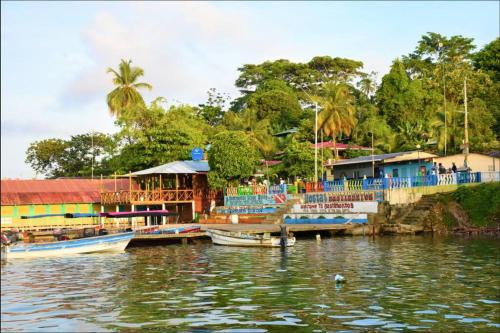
(298,160)
(213,110)
(257,131)
(126,94)
(45,157)
(161,136)
(71,158)
(231,158)
(337,115)
(276,101)
(384,138)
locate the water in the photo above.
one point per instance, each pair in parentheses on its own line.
(420,283)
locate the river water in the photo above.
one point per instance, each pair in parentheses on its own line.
(394,283)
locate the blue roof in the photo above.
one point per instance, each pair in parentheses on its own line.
(198,166)
(177,167)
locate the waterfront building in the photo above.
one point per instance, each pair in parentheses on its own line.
(476,162)
(180,186)
(402,164)
(22,199)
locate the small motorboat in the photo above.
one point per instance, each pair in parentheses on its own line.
(230,238)
(106,243)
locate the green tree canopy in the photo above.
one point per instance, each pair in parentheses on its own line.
(71,158)
(231,158)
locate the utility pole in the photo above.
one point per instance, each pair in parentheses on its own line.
(315,135)
(466,125)
(92,142)
(322,161)
(373,160)
(444,99)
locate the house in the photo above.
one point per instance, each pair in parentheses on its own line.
(180,186)
(401,164)
(476,161)
(22,198)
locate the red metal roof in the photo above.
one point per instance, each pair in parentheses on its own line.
(55,191)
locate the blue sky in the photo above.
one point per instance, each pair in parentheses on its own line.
(54,54)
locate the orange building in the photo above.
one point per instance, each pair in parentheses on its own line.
(179,186)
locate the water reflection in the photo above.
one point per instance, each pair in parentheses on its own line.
(393,284)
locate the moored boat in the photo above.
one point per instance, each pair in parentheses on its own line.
(107,243)
(221,237)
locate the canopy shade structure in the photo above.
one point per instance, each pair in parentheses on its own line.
(177,167)
(138,214)
(66,215)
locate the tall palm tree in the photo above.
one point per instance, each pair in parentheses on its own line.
(337,115)
(126,93)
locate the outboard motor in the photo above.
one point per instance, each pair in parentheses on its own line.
(284,236)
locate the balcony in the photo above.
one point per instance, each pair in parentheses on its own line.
(146,197)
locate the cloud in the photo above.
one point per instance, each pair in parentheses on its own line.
(184,48)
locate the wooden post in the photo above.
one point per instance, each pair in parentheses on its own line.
(176,187)
(130,185)
(163,218)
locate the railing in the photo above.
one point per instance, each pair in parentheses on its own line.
(374,184)
(126,197)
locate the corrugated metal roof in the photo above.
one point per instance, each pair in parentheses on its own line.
(369,158)
(57,191)
(177,167)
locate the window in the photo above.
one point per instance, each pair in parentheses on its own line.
(355,174)
(395,173)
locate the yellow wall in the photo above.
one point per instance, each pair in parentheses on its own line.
(477,162)
(11,216)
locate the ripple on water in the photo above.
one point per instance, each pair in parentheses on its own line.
(366,322)
(205,288)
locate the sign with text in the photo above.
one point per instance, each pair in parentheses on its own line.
(334,197)
(337,207)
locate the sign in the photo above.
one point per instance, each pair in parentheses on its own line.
(335,197)
(255,200)
(245,210)
(337,207)
(197,154)
(325,218)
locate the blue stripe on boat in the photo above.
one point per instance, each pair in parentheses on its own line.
(108,239)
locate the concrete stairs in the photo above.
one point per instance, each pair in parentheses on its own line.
(419,212)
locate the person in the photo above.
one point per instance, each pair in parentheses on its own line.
(453,167)
(442,169)
(434,169)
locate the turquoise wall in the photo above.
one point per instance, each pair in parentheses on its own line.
(409,169)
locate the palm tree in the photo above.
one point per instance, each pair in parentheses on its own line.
(126,93)
(337,115)
(257,131)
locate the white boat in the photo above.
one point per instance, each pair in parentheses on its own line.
(107,243)
(245,239)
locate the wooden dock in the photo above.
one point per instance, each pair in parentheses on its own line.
(144,239)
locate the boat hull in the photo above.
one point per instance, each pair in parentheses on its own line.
(242,239)
(107,243)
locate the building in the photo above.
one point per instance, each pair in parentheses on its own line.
(402,164)
(22,199)
(180,186)
(476,162)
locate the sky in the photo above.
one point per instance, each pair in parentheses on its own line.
(54,55)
